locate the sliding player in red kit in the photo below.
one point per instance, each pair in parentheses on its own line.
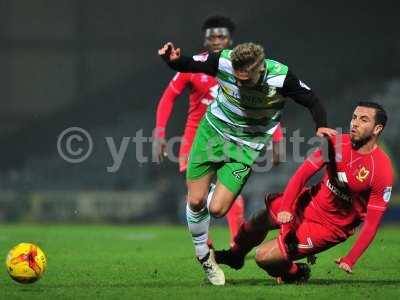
(355,188)
(203,90)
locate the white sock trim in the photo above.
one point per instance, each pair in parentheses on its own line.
(198,224)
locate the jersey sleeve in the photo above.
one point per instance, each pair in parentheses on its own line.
(366,236)
(296,184)
(186,64)
(167,101)
(377,203)
(303,95)
(381,188)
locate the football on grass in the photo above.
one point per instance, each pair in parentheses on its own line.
(26,263)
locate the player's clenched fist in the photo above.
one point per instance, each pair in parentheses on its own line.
(284,217)
(169,52)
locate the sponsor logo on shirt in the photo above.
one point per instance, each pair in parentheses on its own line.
(387,192)
(337,192)
(362,174)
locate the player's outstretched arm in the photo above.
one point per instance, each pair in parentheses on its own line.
(365,238)
(296,184)
(164,110)
(377,203)
(172,56)
(302,94)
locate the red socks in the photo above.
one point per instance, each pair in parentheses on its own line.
(235,217)
(247,238)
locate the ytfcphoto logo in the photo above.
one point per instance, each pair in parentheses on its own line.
(75,145)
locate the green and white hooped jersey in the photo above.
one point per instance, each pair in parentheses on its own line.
(247,116)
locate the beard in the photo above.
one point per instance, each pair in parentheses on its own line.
(357,144)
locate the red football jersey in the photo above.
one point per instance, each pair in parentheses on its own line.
(356,183)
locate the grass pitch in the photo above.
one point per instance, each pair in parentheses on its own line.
(157,262)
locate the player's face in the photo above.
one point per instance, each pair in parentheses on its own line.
(362,125)
(249,78)
(217,41)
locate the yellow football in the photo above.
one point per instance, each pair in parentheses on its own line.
(26,263)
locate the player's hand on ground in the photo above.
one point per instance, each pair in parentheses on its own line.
(159,149)
(284,217)
(169,52)
(326,132)
(344,266)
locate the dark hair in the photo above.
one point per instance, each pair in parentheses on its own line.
(218,21)
(380,113)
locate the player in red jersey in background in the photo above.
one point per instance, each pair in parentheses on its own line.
(218,32)
(355,188)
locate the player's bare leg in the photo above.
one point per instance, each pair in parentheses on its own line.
(198,219)
(220,200)
(269,257)
(198,190)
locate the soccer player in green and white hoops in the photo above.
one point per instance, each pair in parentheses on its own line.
(234,131)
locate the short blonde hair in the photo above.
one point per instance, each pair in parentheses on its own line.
(247,56)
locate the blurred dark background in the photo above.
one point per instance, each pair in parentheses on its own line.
(94,65)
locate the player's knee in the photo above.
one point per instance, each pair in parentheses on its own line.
(196,202)
(220,204)
(260,257)
(217,210)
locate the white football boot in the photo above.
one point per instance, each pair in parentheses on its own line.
(214,273)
